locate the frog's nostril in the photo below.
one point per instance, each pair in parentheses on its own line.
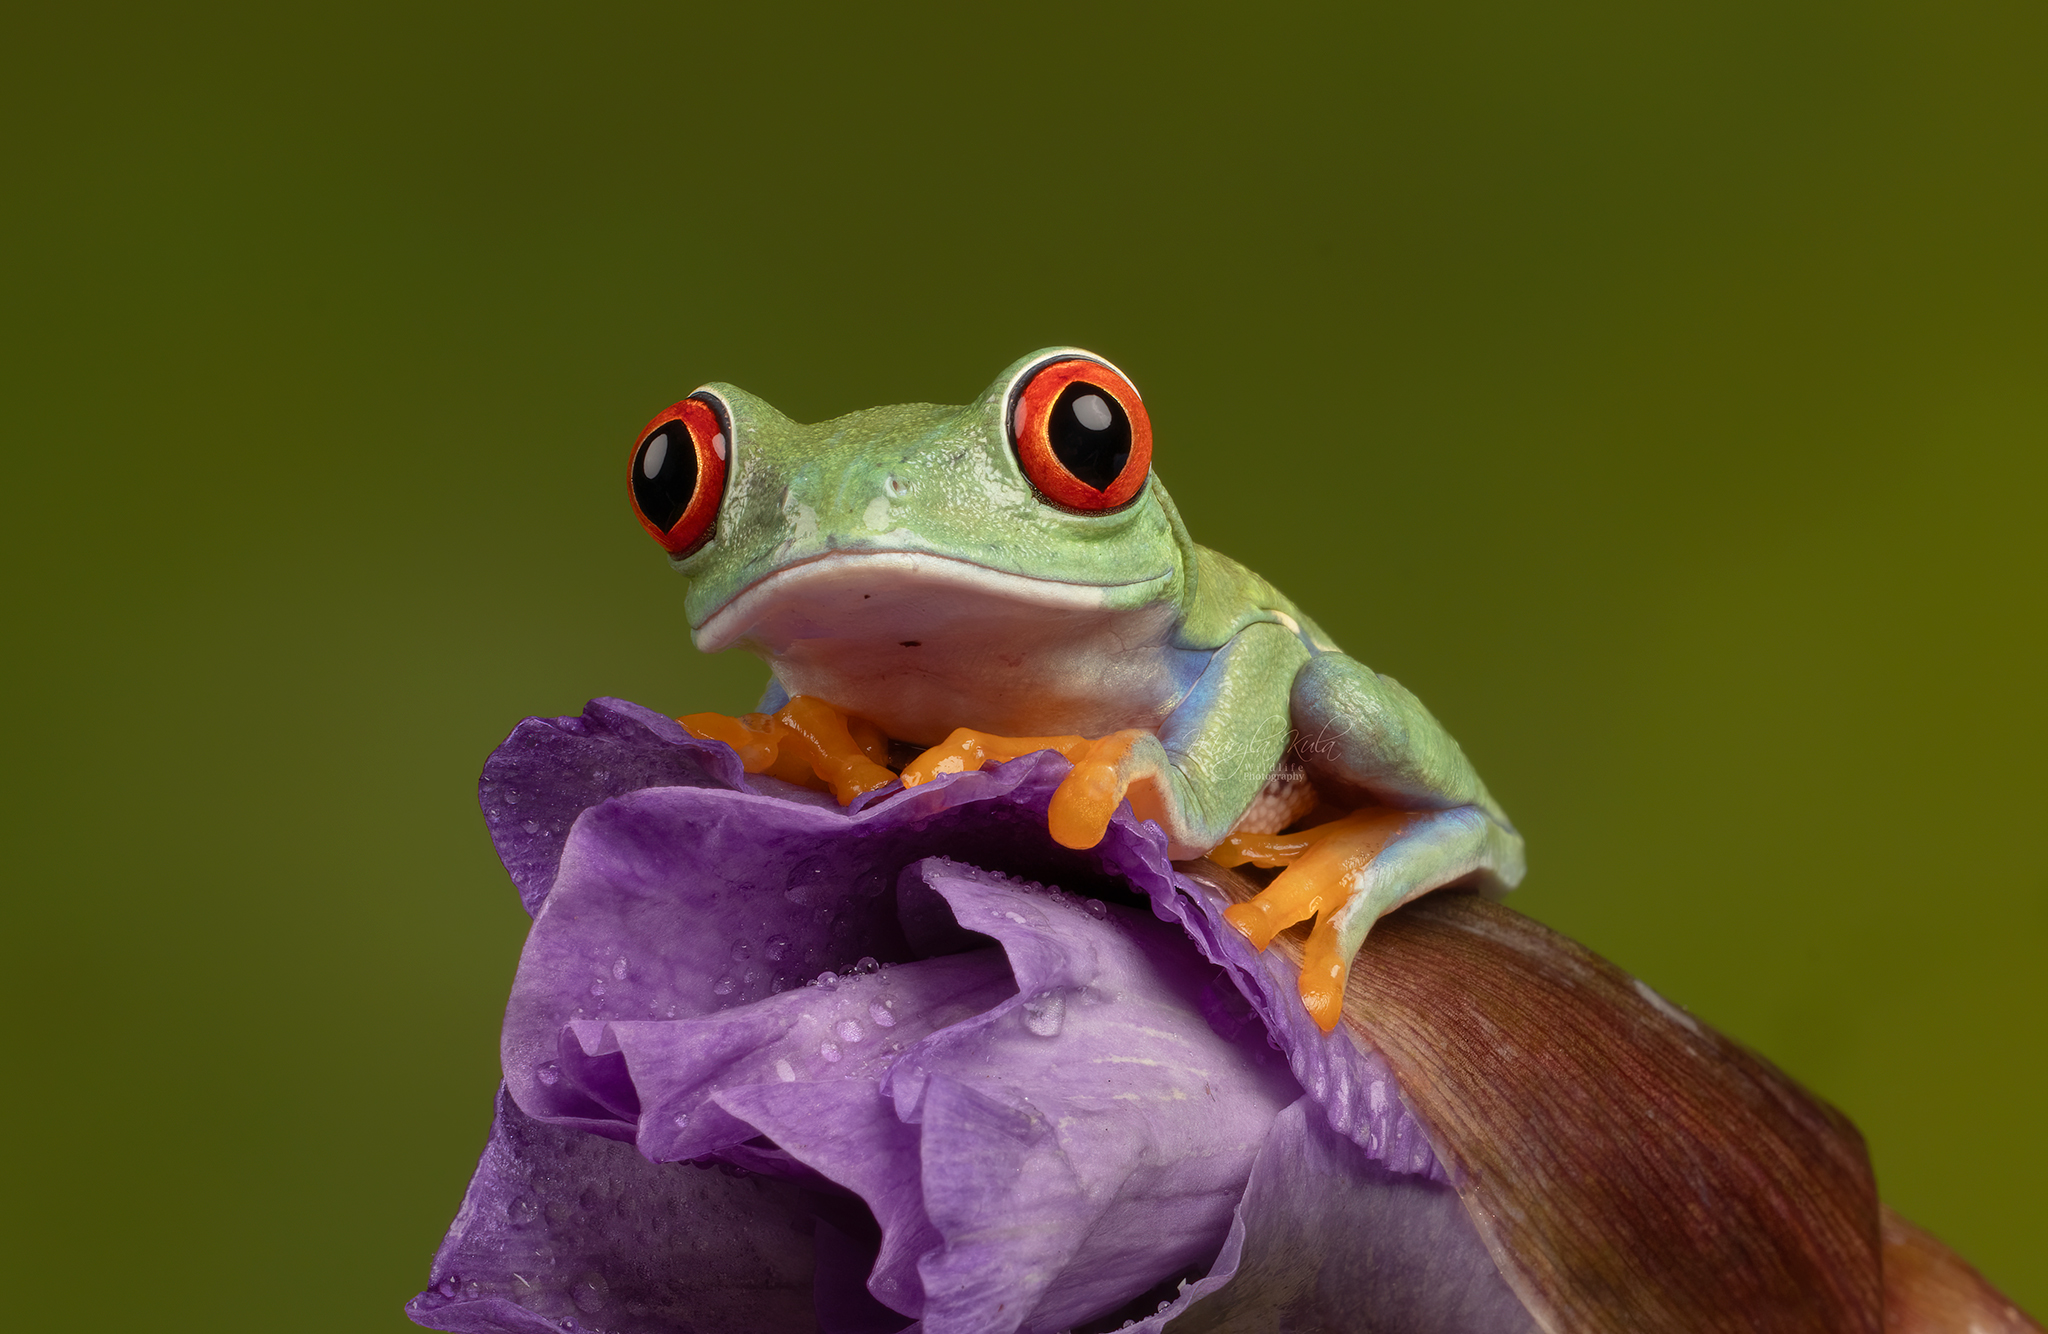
(896,487)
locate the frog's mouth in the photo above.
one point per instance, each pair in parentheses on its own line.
(895,596)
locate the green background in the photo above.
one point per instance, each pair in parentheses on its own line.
(1658,389)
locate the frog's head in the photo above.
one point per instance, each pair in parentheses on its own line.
(916,538)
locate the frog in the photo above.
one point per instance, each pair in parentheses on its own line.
(969,584)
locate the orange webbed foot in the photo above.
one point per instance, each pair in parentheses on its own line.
(807,741)
(1103,775)
(1325,871)
(1108,771)
(966,750)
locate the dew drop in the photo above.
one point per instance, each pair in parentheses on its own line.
(590,1292)
(597,988)
(723,986)
(830,1051)
(867,964)
(619,971)
(1097,909)
(741,951)
(446,1287)
(548,1073)
(807,881)
(785,1072)
(828,980)
(879,1012)
(682,1120)
(777,947)
(521,1210)
(849,1030)
(1045,1012)
(530,826)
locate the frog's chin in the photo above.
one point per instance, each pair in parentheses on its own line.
(922,644)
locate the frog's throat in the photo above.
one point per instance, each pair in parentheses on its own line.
(829,594)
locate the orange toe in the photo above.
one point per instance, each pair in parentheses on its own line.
(966,750)
(1319,880)
(1086,799)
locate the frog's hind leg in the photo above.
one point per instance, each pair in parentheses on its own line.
(1427,822)
(1354,871)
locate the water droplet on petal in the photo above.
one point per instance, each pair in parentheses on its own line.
(828,979)
(1045,1012)
(548,1073)
(867,964)
(849,1030)
(597,988)
(741,951)
(785,1072)
(590,1292)
(879,1012)
(521,1210)
(830,1051)
(807,881)
(723,986)
(777,947)
(682,1120)
(530,826)
(1097,909)
(619,971)
(446,1287)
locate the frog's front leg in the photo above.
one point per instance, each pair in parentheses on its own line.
(1431,823)
(1207,763)
(1194,777)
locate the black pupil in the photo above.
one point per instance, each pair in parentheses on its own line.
(665,473)
(1090,433)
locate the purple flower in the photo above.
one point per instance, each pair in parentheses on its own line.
(952,1076)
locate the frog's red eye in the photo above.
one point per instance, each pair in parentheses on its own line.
(679,474)
(1081,434)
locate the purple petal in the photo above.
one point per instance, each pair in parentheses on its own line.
(562,1231)
(1354,1085)
(1328,1239)
(674,902)
(802,1068)
(550,769)
(1087,1136)
(661,1000)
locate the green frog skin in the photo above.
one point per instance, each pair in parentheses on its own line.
(1014,567)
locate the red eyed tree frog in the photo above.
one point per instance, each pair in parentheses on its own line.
(984,581)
